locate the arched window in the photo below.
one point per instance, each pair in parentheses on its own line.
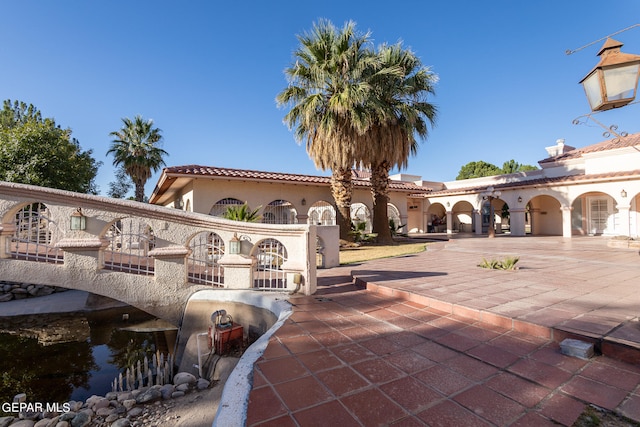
(221,206)
(279,212)
(322,213)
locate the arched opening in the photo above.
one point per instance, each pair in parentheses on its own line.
(322,213)
(33,238)
(393,214)
(220,207)
(361,218)
(545,216)
(279,212)
(436,218)
(206,249)
(271,255)
(129,243)
(462,217)
(594,214)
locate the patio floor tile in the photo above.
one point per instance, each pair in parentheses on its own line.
(327,414)
(411,394)
(373,408)
(448,413)
(301,393)
(592,391)
(342,380)
(283,369)
(263,405)
(541,373)
(377,371)
(490,405)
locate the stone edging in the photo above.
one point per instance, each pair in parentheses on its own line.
(116,409)
(10,291)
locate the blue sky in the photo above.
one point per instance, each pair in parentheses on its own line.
(207,73)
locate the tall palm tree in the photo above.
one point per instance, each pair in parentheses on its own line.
(327,92)
(398,103)
(135,148)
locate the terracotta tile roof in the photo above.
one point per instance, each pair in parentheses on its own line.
(542,182)
(253,175)
(610,144)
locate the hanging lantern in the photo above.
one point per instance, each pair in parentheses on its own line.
(614,80)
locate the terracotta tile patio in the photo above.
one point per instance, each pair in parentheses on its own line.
(432,339)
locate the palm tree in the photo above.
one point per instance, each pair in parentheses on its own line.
(242,213)
(400,110)
(135,148)
(326,92)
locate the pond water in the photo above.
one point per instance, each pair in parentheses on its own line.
(71,356)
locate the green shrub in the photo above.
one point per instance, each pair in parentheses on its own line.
(509,263)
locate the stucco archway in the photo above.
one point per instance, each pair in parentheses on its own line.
(594,213)
(462,217)
(545,216)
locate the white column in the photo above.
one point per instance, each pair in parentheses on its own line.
(449,222)
(566,221)
(624,220)
(477,214)
(517,221)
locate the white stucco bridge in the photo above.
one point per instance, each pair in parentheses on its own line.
(151,257)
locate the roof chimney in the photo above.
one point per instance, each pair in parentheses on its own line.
(559,148)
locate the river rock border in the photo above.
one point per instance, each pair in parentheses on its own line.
(145,406)
(10,291)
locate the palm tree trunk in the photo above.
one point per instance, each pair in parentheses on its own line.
(341,189)
(380,192)
(139,190)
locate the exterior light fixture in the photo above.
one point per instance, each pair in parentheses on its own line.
(448,204)
(78,220)
(519,199)
(303,201)
(623,194)
(612,83)
(234,245)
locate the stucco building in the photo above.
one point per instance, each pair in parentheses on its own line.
(594,190)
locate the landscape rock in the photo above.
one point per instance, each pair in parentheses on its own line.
(202,384)
(184,378)
(148,396)
(122,422)
(135,412)
(81,419)
(5,421)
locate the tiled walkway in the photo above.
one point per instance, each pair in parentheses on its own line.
(435,340)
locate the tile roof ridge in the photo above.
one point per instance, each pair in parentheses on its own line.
(628,140)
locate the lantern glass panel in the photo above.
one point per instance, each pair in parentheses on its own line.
(592,88)
(621,82)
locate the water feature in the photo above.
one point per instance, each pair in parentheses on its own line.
(71,356)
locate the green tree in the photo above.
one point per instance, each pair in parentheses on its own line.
(399,112)
(480,169)
(477,170)
(36,151)
(135,147)
(242,213)
(512,167)
(326,94)
(119,188)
